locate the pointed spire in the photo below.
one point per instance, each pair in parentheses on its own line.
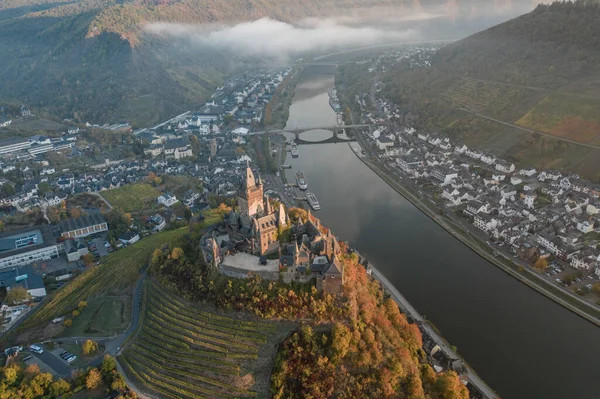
(249,181)
(268,208)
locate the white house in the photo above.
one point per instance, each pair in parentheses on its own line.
(505,167)
(384,142)
(485,222)
(585,226)
(167,199)
(129,238)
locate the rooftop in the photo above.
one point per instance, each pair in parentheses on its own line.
(25,240)
(84,221)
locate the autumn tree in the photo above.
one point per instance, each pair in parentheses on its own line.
(157,256)
(17,295)
(81,305)
(177,253)
(59,388)
(541,264)
(89,347)
(68,323)
(93,379)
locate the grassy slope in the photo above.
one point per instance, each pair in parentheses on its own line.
(116,275)
(132,197)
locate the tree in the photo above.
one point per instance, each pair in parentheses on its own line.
(89,347)
(541,264)
(44,187)
(59,388)
(108,365)
(75,313)
(81,305)
(177,253)
(157,256)
(68,323)
(93,379)
(7,190)
(17,295)
(1,225)
(10,375)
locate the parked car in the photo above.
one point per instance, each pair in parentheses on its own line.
(36,349)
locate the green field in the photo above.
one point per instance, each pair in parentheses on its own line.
(132,197)
(114,276)
(184,352)
(103,317)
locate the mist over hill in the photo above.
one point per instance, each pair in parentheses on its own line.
(142,60)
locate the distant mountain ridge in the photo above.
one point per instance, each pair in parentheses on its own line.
(89,59)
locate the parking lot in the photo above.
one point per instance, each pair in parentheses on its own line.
(97,245)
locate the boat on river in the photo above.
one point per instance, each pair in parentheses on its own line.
(295,152)
(301,181)
(312,201)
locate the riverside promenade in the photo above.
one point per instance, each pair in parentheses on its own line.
(407,308)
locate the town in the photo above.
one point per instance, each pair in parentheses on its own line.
(542,220)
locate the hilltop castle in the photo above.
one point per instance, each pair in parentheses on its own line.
(237,246)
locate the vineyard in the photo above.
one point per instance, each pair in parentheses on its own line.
(473,94)
(116,273)
(184,352)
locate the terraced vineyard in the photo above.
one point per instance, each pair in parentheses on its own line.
(116,272)
(184,352)
(473,94)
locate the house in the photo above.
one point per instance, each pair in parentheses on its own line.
(178,148)
(158,221)
(167,199)
(585,226)
(75,249)
(190,197)
(129,237)
(444,175)
(83,226)
(505,167)
(475,207)
(485,222)
(23,276)
(384,142)
(154,150)
(585,261)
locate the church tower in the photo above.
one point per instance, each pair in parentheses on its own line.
(250,197)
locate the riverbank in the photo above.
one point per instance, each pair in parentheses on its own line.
(277,110)
(525,276)
(446,348)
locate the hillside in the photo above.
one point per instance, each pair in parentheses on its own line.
(90,59)
(538,71)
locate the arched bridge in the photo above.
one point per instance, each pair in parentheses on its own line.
(332,139)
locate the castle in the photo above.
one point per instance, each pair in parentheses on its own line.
(233,247)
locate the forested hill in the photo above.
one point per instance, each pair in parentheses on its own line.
(89,60)
(539,71)
(550,46)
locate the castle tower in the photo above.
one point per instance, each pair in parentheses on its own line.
(268,207)
(250,197)
(282,217)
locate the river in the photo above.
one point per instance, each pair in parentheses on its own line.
(521,343)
